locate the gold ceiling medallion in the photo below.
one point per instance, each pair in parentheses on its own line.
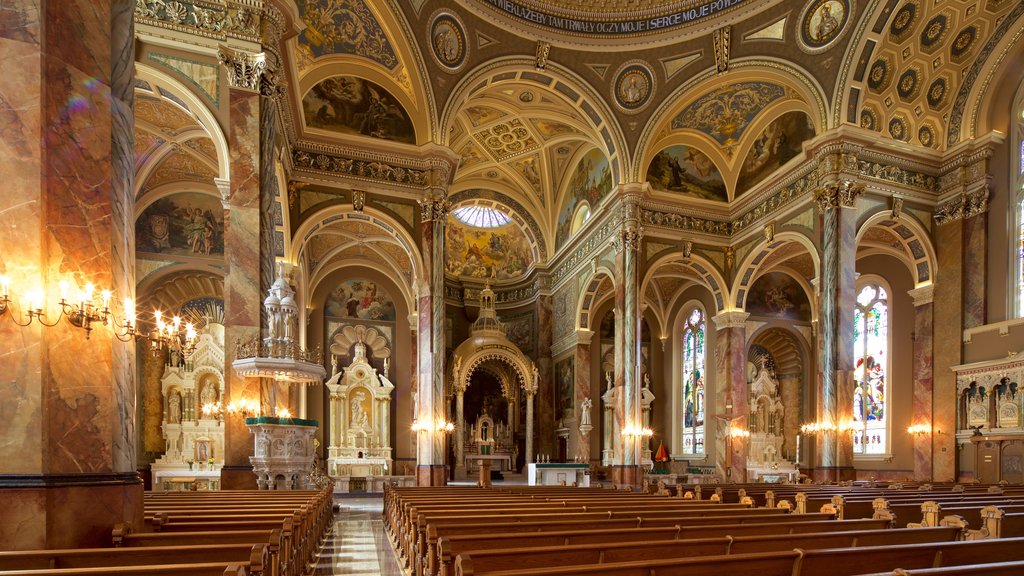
(822,23)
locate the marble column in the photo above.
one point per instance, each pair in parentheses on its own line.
(460,431)
(628,468)
(67,454)
(837,202)
(242,295)
(430,445)
(975,269)
(530,393)
(545,396)
(580,439)
(922,380)
(731,378)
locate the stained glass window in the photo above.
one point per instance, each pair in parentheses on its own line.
(481,216)
(1020,258)
(871,370)
(693,383)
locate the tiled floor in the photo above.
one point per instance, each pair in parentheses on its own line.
(358,545)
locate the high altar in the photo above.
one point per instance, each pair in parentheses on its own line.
(489,440)
(360,415)
(192,441)
(764,459)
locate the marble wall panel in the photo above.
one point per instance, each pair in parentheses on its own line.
(578,444)
(923,390)
(947,348)
(975,265)
(544,418)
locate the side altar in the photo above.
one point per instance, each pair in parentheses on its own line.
(764,460)
(193,442)
(360,417)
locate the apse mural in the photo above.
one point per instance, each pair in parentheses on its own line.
(773,147)
(565,379)
(352,105)
(686,170)
(185,224)
(591,181)
(778,295)
(502,253)
(362,299)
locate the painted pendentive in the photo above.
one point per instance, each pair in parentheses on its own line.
(353,105)
(726,112)
(686,170)
(590,182)
(778,143)
(185,224)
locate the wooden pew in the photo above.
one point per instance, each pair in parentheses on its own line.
(255,557)
(995,569)
(476,560)
(201,569)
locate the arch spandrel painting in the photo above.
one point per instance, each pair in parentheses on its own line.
(778,295)
(779,142)
(361,299)
(185,224)
(591,182)
(352,105)
(688,171)
(503,252)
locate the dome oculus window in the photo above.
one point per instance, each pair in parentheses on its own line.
(481,216)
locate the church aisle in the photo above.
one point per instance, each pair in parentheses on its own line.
(358,546)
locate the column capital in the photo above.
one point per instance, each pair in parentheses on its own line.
(838,194)
(224,187)
(731,319)
(963,206)
(584,336)
(245,69)
(435,206)
(923,294)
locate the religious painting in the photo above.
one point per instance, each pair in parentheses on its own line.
(352,105)
(823,21)
(590,182)
(565,387)
(503,253)
(480,115)
(520,331)
(184,224)
(203,450)
(777,144)
(778,295)
(362,299)
(550,129)
(686,170)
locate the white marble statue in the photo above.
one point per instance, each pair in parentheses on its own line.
(585,407)
(174,409)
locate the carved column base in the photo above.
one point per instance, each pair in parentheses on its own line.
(432,475)
(833,473)
(237,478)
(627,475)
(73,511)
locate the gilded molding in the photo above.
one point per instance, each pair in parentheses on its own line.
(841,194)
(964,206)
(215,19)
(435,208)
(371,168)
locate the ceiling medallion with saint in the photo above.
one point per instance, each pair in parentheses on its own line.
(448,41)
(633,86)
(822,23)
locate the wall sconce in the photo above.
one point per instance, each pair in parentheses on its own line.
(823,426)
(920,429)
(737,432)
(87,309)
(637,432)
(244,408)
(441,426)
(173,336)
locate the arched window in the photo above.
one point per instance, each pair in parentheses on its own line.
(693,382)
(871,370)
(580,217)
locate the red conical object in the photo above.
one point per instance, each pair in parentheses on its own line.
(662,454)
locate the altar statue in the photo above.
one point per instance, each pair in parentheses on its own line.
(585,407)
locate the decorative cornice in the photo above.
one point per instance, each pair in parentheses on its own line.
(363,167)
(841,194)
(923,294)
(584,336)
(214,19)
(731,319)
(962,207)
